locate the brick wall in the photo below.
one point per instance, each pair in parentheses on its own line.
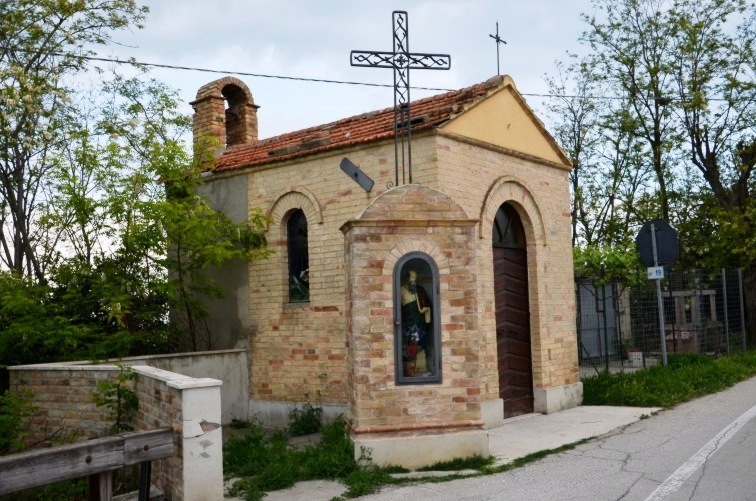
(160,406)
(298,351)
(64,398)
(411,218)
(64,392)
(481,179)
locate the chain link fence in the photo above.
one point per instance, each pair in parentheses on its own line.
(619,327)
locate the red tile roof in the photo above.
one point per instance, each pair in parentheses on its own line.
(426,114)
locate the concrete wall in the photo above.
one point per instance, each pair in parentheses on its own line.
(229,316)
(229,366)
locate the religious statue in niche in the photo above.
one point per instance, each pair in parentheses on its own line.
(417,322)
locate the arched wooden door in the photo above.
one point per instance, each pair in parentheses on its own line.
(512,313)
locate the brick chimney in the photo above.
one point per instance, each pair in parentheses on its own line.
(224,111)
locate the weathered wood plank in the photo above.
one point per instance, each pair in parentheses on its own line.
(42,467)
(101,486)
(147,446)
(45,466)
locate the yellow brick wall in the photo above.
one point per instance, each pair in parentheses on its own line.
(300,351)
(408,219)
(481,180)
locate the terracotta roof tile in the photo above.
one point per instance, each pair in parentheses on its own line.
(373,126)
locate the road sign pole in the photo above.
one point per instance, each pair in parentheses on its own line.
(659,298)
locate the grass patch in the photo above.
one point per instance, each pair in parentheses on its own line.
(265,462)
(687,376)
(474,462)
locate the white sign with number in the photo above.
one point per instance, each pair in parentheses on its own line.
(655,272)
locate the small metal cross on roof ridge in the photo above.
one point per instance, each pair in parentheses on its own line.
(401,60)
(498,41)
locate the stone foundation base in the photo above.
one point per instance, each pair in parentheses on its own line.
(548,400)
(492,413)
(276,414)
(421,449)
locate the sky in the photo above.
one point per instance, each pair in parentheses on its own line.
(313,39)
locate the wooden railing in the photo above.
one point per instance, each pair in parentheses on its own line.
(96,459)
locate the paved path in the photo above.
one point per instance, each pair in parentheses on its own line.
(702,450)
(518,437)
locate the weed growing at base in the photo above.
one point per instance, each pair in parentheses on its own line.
(266,462)
(687,376)
(474,462)
(305,419)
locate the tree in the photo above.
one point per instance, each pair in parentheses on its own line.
(609,174)
(714,71)
(39,44)
(630,50)
(134,237)
(98,196)
(686,70)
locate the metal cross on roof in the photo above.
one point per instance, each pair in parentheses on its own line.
(498,41)
(401,60)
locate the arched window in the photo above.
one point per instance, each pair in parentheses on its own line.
(417,337)
(299,260)
(507,228)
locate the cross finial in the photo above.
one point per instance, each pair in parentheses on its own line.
(401,60)
(498,41)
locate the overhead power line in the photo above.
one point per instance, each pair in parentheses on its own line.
(134,62)
(227,72)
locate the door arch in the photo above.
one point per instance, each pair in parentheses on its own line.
(513,344)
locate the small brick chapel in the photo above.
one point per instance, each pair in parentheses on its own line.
(426,309)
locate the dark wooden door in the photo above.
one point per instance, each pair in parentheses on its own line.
(513,330)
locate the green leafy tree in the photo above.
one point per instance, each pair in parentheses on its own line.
(39,44)
(684,74)
(98,197)
(119,398)
(609,174)
(15,409)
(196,237)
(604,265)
(631,42)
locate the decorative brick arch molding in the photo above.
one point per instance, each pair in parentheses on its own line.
(508,189)
(551,293)
(215,89)
(407,246)
(295,198)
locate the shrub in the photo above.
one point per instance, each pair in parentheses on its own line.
(14,409)
(305,419)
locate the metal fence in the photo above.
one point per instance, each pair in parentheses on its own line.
(619,327)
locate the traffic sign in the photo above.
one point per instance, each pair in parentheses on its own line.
(667,244)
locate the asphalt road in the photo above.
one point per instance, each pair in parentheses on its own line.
(702,450)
